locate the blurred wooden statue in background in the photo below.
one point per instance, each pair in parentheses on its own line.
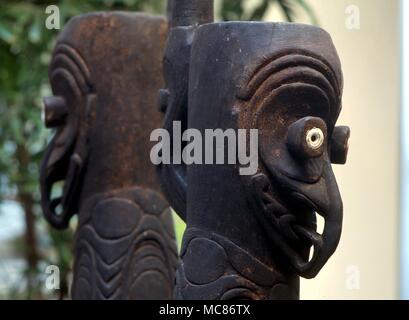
(105,74)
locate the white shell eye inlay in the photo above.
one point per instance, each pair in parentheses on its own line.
(315,138)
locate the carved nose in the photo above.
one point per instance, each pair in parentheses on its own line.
(325,199)
(54,112)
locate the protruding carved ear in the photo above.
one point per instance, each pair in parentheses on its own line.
(68,112)
(339,144)
(184,17)
(55,111)
(173,103)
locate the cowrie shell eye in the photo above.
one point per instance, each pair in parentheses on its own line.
(315,138)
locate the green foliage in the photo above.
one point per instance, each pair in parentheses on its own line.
(25,52)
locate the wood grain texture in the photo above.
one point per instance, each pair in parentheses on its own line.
(105,74)
(251,236)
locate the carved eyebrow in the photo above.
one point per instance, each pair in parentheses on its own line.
(282,61)
(68,60)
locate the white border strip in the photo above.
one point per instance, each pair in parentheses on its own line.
(404,238)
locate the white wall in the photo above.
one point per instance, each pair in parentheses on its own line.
(369,182)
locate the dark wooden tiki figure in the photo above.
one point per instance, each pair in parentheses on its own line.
(105,74)
(250,236)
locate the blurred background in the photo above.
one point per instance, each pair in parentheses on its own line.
(372,260)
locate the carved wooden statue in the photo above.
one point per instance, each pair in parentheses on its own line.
(105,74)
(253,236)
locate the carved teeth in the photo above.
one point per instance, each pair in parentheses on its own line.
(311,235)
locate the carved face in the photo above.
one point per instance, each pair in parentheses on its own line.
(295,100)
(104,89)
(65,155)
(285,80)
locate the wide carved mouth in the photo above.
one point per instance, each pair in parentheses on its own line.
(301,232)
(299,229)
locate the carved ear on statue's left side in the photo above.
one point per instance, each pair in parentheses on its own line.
(173,102)
(69,112)
(184,17)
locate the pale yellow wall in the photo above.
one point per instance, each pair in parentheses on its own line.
(369,182)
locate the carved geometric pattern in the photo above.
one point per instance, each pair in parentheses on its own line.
(227,272)
(70,80)
(125,247)
(67,61)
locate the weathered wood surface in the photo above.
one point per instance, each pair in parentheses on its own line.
(105,74)
(251,236)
